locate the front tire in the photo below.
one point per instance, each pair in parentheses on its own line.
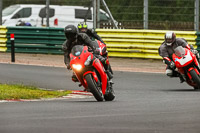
(195,78)
(95,90)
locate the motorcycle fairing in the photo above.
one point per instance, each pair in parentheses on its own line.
(185,63)
(185,60)
(188,73)
(93,74)
(102,47)
(98,66)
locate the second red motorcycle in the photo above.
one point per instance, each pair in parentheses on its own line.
(188,66)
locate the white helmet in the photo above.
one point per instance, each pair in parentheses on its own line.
(170,38)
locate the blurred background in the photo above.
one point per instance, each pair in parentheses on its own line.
(137,14)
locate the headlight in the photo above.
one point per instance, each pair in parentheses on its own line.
(87,62)
(77,66)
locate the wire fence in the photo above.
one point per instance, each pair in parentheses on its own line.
(162,14)
(129,14)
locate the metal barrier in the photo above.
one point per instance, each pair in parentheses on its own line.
(120,43)
(3,39)
(138,43)
(36,40)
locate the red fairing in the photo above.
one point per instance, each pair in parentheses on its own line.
(107,61)
(80,60)
(185,60)
(99,68)
(93,74)
(177,60)
(167,58)
(188,46)
(188,73)
(101,46)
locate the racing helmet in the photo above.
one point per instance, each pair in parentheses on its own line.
(170,38)
(82,27)
(71,32)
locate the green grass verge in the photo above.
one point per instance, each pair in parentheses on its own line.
(16,92)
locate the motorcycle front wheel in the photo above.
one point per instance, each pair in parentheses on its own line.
(195,78)
(95,90)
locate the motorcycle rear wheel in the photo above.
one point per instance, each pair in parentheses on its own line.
(95,90)
(195,78)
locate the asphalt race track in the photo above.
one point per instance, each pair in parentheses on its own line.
(145,103)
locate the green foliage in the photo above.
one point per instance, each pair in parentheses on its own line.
(126,10)
(171,10)
(15,92)
(131,10)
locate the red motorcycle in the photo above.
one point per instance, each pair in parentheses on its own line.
(187,65)
(91,73)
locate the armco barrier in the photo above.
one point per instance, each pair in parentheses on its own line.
(138,43)
(36,40)
(3,39)
(120,43)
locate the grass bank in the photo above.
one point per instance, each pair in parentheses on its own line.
(16,92)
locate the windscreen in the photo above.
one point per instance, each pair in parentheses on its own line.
(179,51)
(9,10)
(77,50)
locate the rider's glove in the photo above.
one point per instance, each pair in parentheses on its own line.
(194,51)
(96,51)
(172,65)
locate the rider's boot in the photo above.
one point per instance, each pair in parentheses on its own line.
(176,74)
(74,78)
(109,74)
(181,79)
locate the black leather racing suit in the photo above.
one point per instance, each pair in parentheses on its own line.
(82,39)
(167,51)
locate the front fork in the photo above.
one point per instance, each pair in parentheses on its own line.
(188,72)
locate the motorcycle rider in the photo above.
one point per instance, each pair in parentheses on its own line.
(83,28)
(23,23)
(75,38)
(167,49)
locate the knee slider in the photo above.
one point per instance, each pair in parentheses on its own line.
(169,72)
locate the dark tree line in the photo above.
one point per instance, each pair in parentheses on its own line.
(159,10)
(131,10)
